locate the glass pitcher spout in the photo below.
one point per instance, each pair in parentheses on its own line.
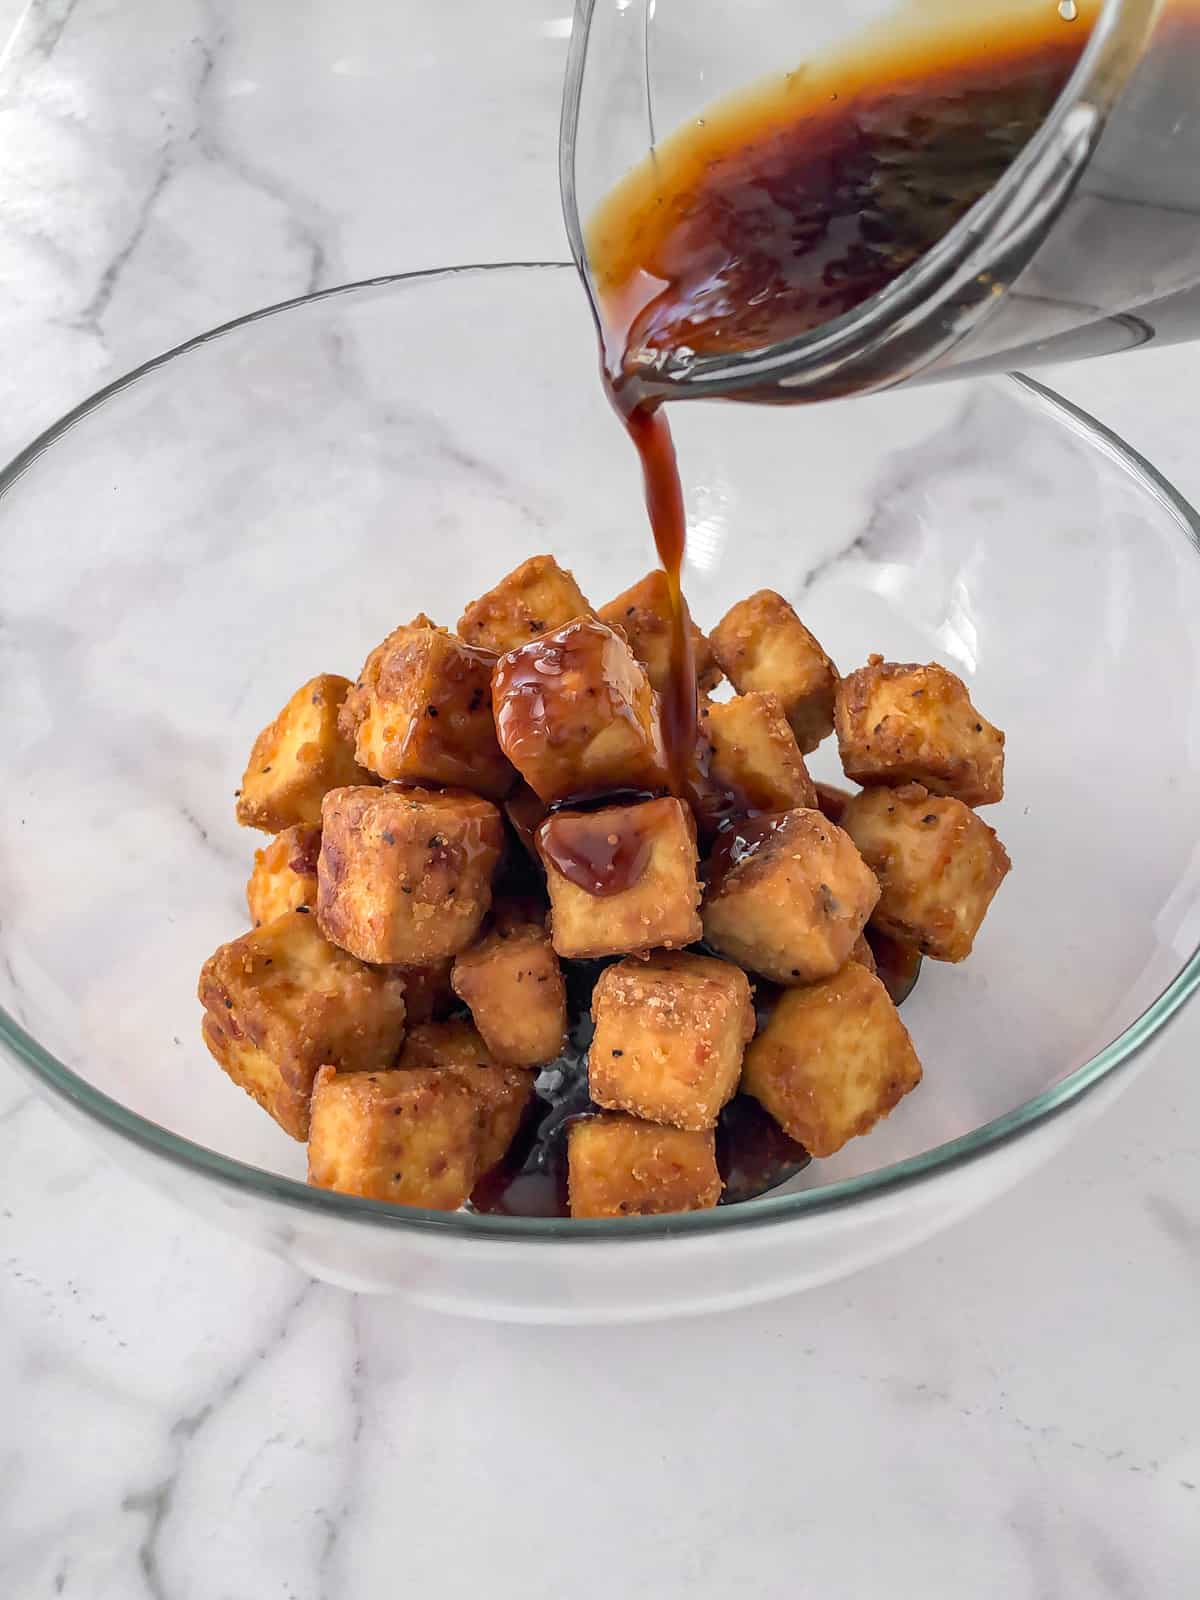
(1022,233)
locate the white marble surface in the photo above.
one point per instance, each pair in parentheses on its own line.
(1010,1411)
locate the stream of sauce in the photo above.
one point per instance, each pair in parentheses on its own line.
(788,206)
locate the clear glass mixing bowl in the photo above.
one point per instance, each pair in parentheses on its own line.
(264,504)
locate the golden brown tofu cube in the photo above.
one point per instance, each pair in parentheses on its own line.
(938,866)
(901,723)
(282,1001)
(670,1035)
(411,1137)
(753,754)
(427,992)
(762,644)
(576,715)
(421,712)
(285,875)
(831,1060)
(405,875)
(618,1166)
(643,614)
(621,879)
(534,598)
(298,758)
(513,985)
(503,1092)
(788,896)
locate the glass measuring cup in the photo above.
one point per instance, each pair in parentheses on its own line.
(1089,243)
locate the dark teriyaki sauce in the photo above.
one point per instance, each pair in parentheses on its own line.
(786,207)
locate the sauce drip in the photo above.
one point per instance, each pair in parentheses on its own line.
(550,696)
(788,206)
(738,841)
(651,435)
(601,852)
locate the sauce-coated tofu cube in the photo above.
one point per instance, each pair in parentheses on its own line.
(754,758)
(576,715)
(534,598)
(618,1166)
(643,614)
(762,644)
(298,758)
(411,1137)
(788,896)
(285,875)
(831,1060)
(938,866)
(670,1035)
(513,985)
(421,712)
(621,879)
(915,724)
(503,1092)
(405,875)
(282,1001)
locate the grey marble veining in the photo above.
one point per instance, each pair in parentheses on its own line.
(1009,1412)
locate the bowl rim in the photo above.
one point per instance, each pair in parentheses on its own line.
(66,1085)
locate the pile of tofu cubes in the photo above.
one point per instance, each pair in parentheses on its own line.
(393,1003)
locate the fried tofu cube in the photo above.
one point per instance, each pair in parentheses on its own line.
(643,614)
(503,1092)
(576,715)
(900,723)
(753,754)
(831,1060)
(762,644)
(621,879)
(405,875)
(788,897)
(421,712)
(282,1001)
(618,1166)
(534,598)
(285,875)
(513,985)
(938,865)
(411,1137)
(670,1035)
(298,758)
(427,991)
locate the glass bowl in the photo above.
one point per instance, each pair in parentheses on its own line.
(266,502)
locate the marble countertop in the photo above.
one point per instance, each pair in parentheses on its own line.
(1009,1411)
